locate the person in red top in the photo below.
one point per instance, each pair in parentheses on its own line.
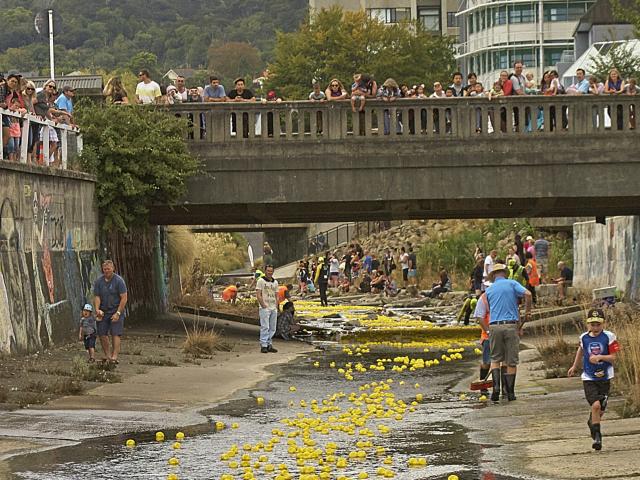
(230,294)
(507,86)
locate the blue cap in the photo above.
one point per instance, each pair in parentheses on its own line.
(87,307)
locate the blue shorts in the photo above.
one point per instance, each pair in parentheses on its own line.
(486,352)
(90,341)
(412,273)
(107,326)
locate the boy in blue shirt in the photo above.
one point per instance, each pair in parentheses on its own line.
(597,349)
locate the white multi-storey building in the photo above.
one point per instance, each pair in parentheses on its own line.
(438,16)
(497,33)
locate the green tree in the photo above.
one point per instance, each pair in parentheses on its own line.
(147,61)
(139,157)
(619,56)
(628,10)
(335,43)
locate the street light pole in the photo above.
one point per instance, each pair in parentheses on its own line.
(51,59)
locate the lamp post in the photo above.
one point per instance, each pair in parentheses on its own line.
(51,57)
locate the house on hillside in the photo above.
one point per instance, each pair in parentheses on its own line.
(86,85)
(172,74)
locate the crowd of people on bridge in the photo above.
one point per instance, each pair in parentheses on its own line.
(20,96)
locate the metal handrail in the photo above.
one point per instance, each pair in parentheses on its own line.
(66,133)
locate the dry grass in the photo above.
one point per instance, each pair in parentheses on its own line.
(102,373)
(158,362)
(59,386)
(624,321)
(201,340)
(556,353)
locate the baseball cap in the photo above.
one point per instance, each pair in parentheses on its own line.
(87,307)
(595,315)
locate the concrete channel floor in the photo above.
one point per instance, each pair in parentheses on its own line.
(544,434)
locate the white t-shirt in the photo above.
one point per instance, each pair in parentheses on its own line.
(404,261)
(488,266)
(269,292)
(148,92)
(334,266)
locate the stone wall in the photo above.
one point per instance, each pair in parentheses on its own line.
(48,254)
(606,255)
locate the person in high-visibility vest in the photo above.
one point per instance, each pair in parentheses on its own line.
(534,277)
(517,272)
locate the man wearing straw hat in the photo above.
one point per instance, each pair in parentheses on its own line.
(505,327)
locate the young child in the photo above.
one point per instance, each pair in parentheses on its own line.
(317,95)
(88,331)
(530,87)
(496,91)
(358,92)
(15,130)
(597,348)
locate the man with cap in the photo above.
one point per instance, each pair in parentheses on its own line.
(597,350)
(505,327)
(64,102)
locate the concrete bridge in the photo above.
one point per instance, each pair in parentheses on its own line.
(299,162)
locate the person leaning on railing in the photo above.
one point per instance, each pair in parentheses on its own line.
(115,93)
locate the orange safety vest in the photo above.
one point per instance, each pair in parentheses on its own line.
(229,293)
(534,277)
(484,335)
(282,294)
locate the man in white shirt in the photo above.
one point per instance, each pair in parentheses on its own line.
(267,295)
(488,266)
(147,91)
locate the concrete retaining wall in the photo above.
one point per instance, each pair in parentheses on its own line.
(48,254)
(605,255)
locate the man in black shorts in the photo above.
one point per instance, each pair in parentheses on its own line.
(597,349)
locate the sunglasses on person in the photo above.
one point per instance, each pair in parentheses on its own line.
(29,89)
(335,85)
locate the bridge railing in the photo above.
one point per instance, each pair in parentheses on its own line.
(441,118)
(37,138)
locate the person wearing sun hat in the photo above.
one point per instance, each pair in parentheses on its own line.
(505,327)
(597,350)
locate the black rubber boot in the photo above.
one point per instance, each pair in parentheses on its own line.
(496,375)
(590,425)
(503,373)
(597,437)
(510,380)
(484,373)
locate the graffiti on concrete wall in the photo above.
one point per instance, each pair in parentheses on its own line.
(44,280)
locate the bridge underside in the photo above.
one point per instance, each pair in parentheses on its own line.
(560,175)
(399,210)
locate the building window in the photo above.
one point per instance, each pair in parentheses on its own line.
(565,12)
(522,14)
(552,56)
(500,60)
(452,20)
(390,15)
(500,16)
(430,18)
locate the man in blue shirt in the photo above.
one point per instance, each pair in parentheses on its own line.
(505,327)
(64,102)
(214,92)
(110,299)
(581,86)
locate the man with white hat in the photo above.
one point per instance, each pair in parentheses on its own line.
(505,327)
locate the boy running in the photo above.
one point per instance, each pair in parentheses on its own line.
(598,348)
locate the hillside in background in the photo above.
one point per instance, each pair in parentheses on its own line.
(93,35)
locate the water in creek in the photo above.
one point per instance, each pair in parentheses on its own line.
(428,432)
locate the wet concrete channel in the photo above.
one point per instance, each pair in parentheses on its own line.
(430,431)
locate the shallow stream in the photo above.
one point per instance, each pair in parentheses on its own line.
(430,431)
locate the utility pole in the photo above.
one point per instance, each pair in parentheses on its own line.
(51,59)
